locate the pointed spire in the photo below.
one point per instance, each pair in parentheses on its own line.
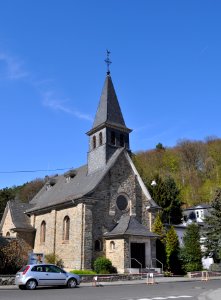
(109,112)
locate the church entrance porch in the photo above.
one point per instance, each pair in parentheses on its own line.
(130,246)
(137,251)
(140,253)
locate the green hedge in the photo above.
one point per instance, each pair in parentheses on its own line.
(103,265)
(83,272)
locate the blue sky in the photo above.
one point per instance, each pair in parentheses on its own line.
(166,69)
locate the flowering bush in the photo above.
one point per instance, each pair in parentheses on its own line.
(13,255)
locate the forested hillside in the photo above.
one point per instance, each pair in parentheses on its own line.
(195,167)
(24,192)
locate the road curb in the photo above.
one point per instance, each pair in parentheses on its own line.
(158,280)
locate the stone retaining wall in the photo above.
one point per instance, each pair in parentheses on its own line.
(10,279)
(7,279)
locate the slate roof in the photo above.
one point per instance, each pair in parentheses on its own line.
(109,112)
(199,206)
(128,225)
(19,219)
(79,186)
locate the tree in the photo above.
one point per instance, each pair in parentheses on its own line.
(6,194)
(212,231)
(158,228)
(195,166)
(193,154)
(160,146)
(161,240)
(167,195)
(173,263)
(191,253)
(13,255)
(30,189)
(23,192)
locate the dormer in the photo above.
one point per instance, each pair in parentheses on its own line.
(70,175)
(50,183)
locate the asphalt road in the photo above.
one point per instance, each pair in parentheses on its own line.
(176,290)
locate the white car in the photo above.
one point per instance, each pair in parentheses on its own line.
(31,276)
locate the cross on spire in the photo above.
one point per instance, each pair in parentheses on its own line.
(108,62)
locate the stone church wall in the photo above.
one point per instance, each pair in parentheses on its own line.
(8,224)
(89,222)
(48,245)
(69,251)
(120,180)
(115,251)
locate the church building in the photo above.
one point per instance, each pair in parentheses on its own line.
(100,209)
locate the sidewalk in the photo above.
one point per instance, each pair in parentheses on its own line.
(156,280)
(132,282)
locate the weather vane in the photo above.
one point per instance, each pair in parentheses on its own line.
(108,62)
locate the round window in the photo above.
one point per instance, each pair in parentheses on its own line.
(122,202)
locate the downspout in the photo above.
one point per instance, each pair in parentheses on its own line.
(55,225)
(82,234)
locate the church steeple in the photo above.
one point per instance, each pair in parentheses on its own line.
(109,131)
(109,112)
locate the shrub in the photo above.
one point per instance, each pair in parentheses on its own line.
(103,265)
(215,267)
(172,252)
(83,272)
(13,255)
(192,266)
(191,251)
(167,274)
(52,258)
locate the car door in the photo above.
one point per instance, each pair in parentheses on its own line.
(38,272)
(54,275)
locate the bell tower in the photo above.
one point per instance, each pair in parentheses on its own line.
(109,131)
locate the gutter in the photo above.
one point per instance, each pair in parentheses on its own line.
(64,204)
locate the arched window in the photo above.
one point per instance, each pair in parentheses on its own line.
(94,142)
(113,138)
(97,245)
(43,232)
(112,245)
(100,138)
(66,228)
(8,234)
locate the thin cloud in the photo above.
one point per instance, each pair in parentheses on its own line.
(143,128)
(51,101)
(14,67)
(15,70)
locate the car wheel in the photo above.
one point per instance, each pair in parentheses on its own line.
(21,287)
(72,283)
(31,284)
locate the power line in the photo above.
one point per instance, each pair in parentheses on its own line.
(33,171)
